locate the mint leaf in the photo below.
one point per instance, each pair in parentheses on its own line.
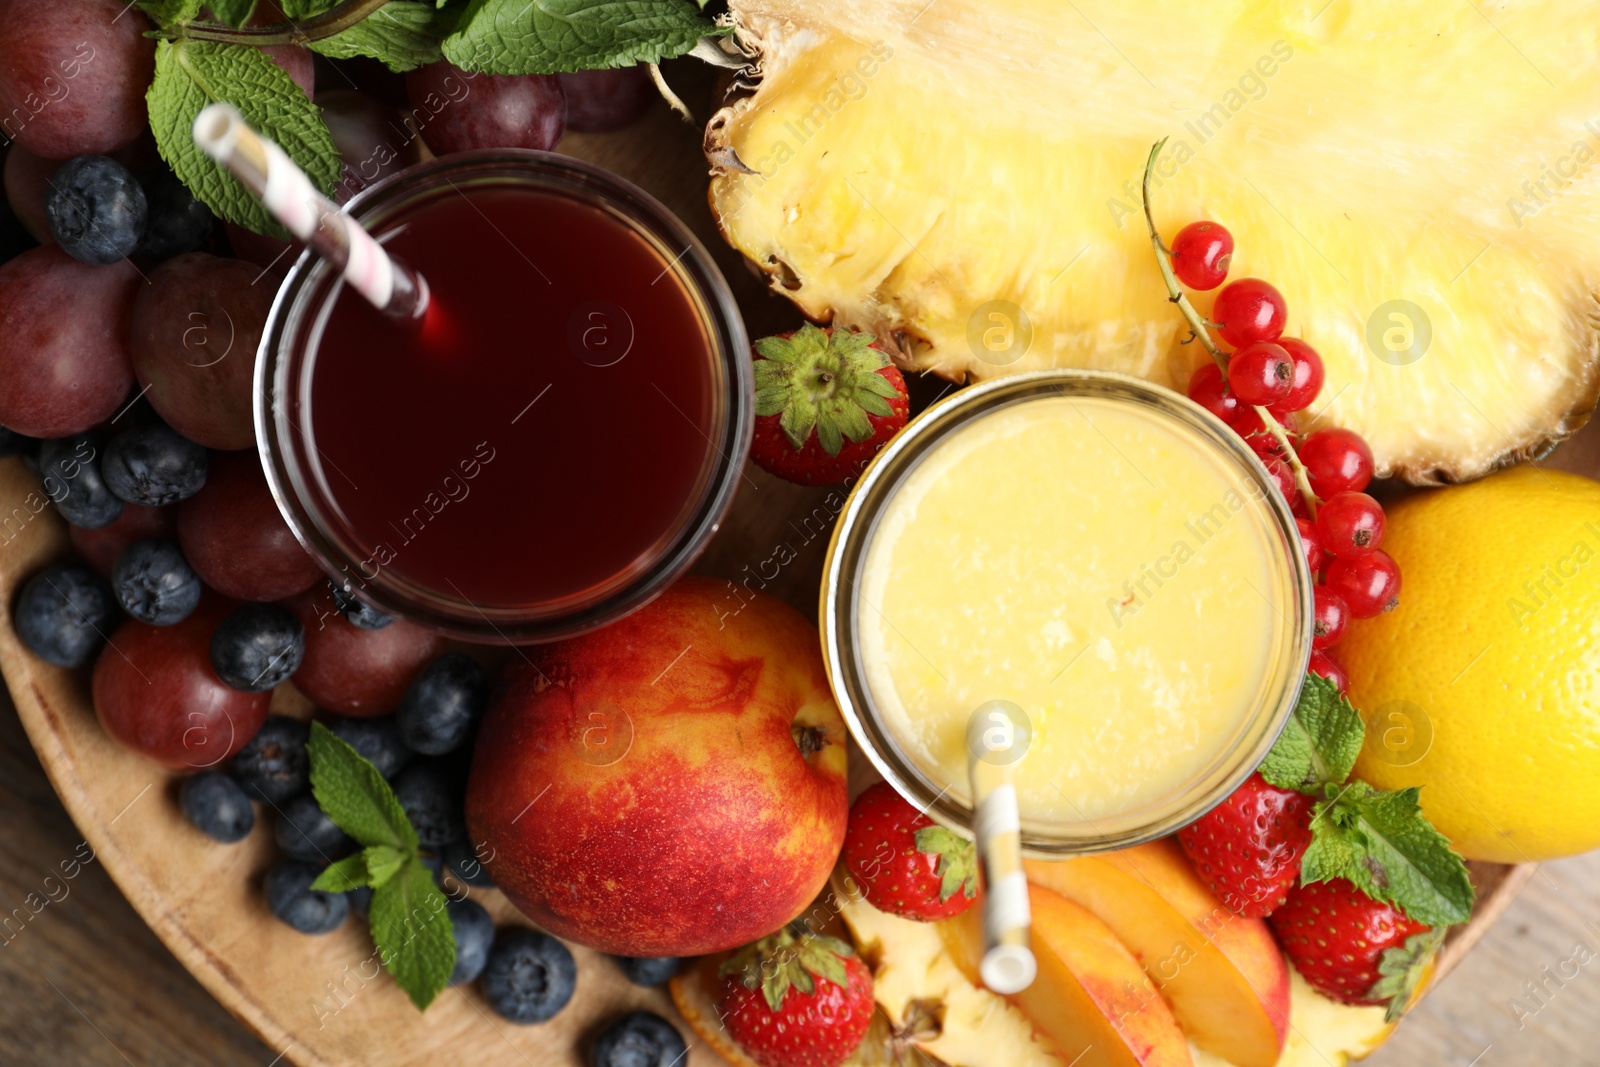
(192,74)
(341,876)
(1320,742)
(412,930)
(169,12)
(232,12)
(1331,852)
(355,796)
(404,34)
(295,10)
(550,36)
(1407,862)
(382,863)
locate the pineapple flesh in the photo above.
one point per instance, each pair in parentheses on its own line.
(1421,179)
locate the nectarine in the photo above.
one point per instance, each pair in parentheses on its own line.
(670,785)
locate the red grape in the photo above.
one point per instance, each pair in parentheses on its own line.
(195,331)
(1330,618)
(1324,664)
(273,256)
(1208,388)
(365,131)
(1311,545)
(1336,461)
(1308,376)
(235,538)
(64,362)
(1201,253)
(1369,584)
(73,75)
(1249,310)
(27,181)
(600,101)
(100,548)
(1261,373)
(296,62)
(457,111)
(351,671)
(1350,525)
(156,694)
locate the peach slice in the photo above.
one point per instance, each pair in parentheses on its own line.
(1091,998)
(1224,976)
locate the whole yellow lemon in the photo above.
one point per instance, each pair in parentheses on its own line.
(1483,685)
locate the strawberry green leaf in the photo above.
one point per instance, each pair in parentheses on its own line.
(341,876)
(1401,968)
(1320,742)
(958,861)
(412,930)
(822,382)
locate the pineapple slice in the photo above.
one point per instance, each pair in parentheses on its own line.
(1421,179)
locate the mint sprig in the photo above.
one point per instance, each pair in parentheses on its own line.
(553,36)
(407,916)
(403,34)
(1378,840)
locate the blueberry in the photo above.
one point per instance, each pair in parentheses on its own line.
(177,222)
(154,583)
(292,900)
(70,469)
(13,443)
(460,856)
(376,739)
(274,764)
(530,977)
(432,803)
(474,932)
(153,465)
(305,832)
(257,647)
(442,704)
(217,806)
(63,614)
(638,1039)
(97,211)
(358,614)
(648,970)
(360,900)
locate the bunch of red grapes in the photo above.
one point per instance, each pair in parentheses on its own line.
(1356,579)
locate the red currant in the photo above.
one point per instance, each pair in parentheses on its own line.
(1261,373)
(1249,310)
(1322,663)
(1311,545)
(1263,441)
(1283,477)
(1308,376)
(1350,525)
(1336,461)
(1208,389)
(1370,584)
(1201,253)
(1330,618)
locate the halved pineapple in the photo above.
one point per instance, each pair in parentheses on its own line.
(1421,179)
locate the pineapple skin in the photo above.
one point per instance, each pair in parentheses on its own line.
(1420,178)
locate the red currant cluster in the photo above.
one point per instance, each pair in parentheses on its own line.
(1341,526)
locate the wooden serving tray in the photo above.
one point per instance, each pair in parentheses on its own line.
(311,998)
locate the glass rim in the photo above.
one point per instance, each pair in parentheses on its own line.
(853,536)
(304,292)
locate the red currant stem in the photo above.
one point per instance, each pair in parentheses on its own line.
(336,19)
(1198,324)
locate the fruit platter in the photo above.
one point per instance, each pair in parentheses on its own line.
(795,533)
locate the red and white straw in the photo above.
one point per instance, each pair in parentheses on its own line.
(286,191)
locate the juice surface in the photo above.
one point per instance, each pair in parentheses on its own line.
(1092,562)
(543,433)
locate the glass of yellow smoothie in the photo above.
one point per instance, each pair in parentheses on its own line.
(1102,555)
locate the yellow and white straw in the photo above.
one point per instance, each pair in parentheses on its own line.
(286,192)
(993,747)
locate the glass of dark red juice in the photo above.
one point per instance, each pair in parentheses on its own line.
(558,439)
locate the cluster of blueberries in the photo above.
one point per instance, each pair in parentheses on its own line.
(98,212)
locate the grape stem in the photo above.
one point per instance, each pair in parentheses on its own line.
(1198,324)
(336,19)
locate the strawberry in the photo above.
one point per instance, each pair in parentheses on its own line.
(905,863)
(826,401)
(1351,947)
(1248,848)
(796,999)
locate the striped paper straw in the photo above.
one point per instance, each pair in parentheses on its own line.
(1008,964)
(285,191)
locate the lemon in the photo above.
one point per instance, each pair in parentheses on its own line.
(1483,685)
